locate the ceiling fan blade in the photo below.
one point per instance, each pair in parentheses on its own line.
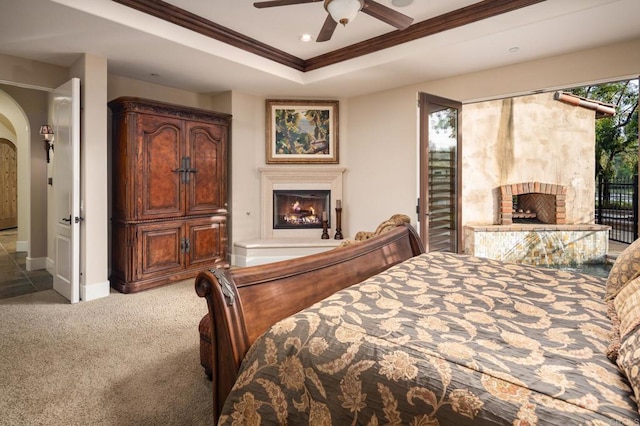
(386,14)
(274,3)
(327,29)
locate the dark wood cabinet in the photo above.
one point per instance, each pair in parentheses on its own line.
(170,206)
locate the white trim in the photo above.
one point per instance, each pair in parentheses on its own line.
(22,246)
(51,266)
(35,263)
(94,291)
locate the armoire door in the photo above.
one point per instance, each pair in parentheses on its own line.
(161,248)
(206,175)
(206,240)
(159,167)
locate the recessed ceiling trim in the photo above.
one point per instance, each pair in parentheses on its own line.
(448,21)
(186,19)
(476,12)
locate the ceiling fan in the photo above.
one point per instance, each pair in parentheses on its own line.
(344,11)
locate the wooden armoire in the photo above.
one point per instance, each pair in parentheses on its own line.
(170,187)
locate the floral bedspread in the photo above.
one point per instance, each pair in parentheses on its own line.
(440,339)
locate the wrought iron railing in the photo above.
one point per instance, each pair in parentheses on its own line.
(617,207)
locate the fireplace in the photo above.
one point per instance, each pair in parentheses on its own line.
(533,202)
(294,209)
(310,178)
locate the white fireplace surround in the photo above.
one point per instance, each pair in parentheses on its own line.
(297,177)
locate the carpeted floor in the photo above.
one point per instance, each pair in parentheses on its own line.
(121,360)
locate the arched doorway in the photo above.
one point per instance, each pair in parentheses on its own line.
(15,126)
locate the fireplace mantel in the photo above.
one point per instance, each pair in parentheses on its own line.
(297,177)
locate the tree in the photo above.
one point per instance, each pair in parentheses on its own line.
(617,136)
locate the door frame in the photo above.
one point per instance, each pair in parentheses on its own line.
(424,101)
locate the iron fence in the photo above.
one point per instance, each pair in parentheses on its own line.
(617,207)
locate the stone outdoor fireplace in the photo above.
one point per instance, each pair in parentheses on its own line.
(533,202)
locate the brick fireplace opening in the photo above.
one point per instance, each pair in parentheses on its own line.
(533,202)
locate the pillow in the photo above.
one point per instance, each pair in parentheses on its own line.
(614,336)
(627,307)
(625,268)
(629,361)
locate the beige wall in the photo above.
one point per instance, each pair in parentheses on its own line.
(118,86)
(31,74)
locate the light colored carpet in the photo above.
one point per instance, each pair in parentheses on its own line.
(122,360)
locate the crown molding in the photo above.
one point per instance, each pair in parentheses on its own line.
(457,18)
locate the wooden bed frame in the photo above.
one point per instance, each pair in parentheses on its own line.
(245,302)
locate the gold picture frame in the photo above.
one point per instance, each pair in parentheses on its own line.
(301,131)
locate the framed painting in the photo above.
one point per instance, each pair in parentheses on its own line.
(301,131)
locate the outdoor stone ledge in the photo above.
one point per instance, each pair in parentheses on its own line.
(537,227)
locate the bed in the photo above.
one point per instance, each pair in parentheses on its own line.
(381,332)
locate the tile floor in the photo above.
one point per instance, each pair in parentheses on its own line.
(15,280)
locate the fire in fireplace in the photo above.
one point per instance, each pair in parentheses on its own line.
(300,208)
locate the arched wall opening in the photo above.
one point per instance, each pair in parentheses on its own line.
(14,116)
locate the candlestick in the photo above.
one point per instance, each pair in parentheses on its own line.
(338,222)
(325,227)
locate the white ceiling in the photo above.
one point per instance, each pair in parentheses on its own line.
(147,48)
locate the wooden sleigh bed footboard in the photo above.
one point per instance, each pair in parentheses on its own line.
(245,302)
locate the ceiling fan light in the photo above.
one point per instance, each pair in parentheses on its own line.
(343,11)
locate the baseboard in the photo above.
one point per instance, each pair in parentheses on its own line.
(35,263)
(94,291)
(50,265)
(22,246)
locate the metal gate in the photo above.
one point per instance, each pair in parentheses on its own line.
(617,207)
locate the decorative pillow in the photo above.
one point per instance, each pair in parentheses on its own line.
(614,337)
(627,307)
(387,225)
(625,268)
(629,361)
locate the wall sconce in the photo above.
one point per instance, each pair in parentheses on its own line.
(47,134)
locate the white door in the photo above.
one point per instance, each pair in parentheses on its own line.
(64,109)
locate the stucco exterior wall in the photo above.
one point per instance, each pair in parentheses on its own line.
(527,139)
